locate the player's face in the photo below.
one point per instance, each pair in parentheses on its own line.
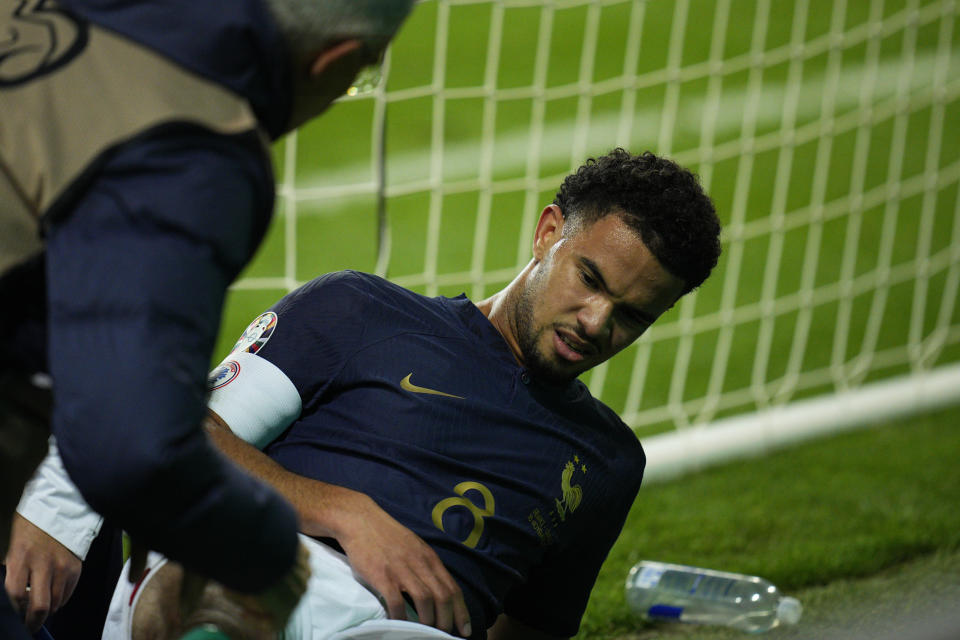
(593,292)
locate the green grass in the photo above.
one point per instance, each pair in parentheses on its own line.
(896,602)
(816,520)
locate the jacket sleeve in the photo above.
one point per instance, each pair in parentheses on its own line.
(137,273)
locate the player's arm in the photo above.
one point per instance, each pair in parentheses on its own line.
(320,506)
(41,572)
(507,628)
(51,534)
(388,556)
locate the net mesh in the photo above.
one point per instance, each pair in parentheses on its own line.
(827,133)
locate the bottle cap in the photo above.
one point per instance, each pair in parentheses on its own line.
(789,610)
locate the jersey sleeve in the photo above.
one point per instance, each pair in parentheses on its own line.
(287,356)
(254,397)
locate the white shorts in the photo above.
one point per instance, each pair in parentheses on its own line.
(337,606)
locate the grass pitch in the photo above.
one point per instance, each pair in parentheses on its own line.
(914,599)
(862,527)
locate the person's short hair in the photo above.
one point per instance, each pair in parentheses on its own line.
(308,26)
(660,200)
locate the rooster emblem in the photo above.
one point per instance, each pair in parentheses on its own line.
(572,493)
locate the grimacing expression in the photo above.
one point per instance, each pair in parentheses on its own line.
(594,290)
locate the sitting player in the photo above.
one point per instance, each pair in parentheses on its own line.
(451,435)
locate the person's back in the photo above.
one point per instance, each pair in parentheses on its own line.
(137,141)
(74,90)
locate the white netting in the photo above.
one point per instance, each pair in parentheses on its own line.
(828,133)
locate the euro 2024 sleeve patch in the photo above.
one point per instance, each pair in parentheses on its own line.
(257,334)
(253,338)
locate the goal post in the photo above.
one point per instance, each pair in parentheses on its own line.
(826,131)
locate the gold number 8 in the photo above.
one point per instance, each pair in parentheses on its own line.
(478,513)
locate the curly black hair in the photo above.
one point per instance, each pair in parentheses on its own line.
(660,200)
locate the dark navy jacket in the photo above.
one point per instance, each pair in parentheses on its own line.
(147,220)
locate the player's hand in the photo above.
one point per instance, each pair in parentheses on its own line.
(394,561)
(41,572)
(388,556)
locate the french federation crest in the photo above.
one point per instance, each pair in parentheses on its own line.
(257,334)
(223,375)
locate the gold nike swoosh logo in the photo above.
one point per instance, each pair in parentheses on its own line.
(409,386)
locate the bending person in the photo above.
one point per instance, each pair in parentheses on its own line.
(135,183)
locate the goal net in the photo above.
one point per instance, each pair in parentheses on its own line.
(826,131)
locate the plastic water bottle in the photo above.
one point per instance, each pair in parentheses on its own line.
(661,591)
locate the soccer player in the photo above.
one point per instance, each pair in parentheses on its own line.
(135,184)
(415,431)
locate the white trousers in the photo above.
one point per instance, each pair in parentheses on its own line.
(336,606)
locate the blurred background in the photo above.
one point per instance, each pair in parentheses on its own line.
(827,132)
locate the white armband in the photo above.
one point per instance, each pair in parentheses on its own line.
(53,503)
(254,397)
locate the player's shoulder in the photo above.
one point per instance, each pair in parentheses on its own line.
(374,302)
(370,309)
(610,423)
(347,287)
(344,281)
(627,455)
(617,425)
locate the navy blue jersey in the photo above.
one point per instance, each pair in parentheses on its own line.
(521,488)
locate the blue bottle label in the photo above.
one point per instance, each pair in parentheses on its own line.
(664,611)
